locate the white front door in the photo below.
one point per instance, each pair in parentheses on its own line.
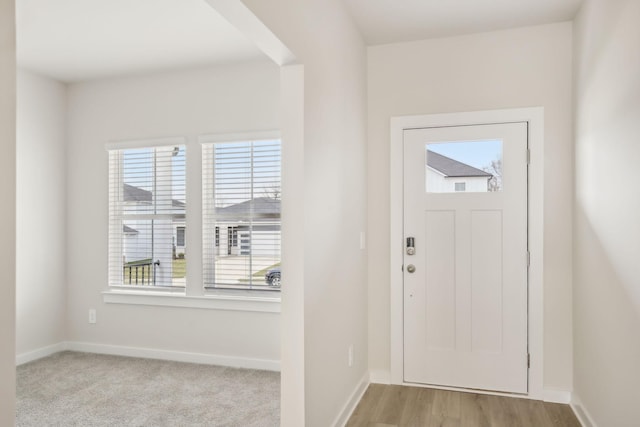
(465,280)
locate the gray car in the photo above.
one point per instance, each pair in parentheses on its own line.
(273,277)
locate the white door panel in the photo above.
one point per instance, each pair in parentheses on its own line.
(465,305)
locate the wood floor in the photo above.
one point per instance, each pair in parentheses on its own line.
(392,405)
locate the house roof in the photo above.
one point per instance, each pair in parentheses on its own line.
(137,194)
(129,230)
(261,207)
(452,168)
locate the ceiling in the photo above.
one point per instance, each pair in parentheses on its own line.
(73,40)
(391,21)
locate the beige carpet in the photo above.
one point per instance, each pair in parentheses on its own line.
(79,389)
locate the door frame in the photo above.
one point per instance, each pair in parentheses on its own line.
(534,116)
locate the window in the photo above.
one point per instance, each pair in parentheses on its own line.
(464,166)
(232,238)
(241,200)
(146,213)
(180,237)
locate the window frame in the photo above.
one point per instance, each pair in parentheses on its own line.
(232,138)
(117,220)
(194,295)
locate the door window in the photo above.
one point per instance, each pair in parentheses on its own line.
(465,166)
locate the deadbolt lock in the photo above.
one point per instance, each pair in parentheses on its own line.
(411,268)
(411,246)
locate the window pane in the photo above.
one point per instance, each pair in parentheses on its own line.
(241,189)
(147,243)
(460,186)
(180,237)
(153,180)
(466,166)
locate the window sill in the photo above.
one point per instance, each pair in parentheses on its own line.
(212,302)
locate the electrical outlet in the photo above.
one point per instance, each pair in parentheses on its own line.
(351,355)
(92,315)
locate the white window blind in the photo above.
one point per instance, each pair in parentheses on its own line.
(147,201)
(241,218)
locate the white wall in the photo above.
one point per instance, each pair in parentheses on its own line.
(41,202)
(322,36)
(7,211)
(292,378)
(233,98)
(607,229)
(524,67)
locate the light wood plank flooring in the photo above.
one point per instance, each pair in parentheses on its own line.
(395,406)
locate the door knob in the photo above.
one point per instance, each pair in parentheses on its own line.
(411,268)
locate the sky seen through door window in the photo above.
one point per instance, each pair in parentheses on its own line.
(478,154)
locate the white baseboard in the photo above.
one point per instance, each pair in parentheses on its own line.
(177,356)
(353,401)
(39,353)
(380,377)
(581,412)
(149,353)
(556,396)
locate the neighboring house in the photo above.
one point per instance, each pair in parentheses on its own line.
(236,235)
(233,231)
(137,234)
(446,175)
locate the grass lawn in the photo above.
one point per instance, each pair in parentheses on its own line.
(262,272)
(259,275)
(179,268)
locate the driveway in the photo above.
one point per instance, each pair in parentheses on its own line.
(234,270)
